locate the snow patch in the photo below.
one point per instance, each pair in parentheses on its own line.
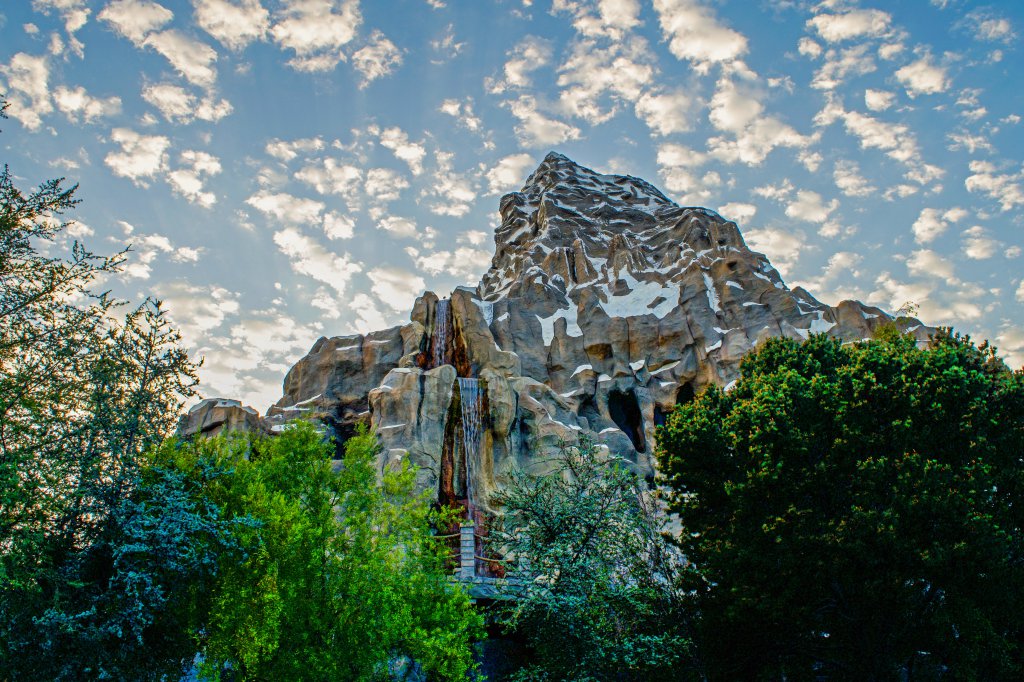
(713,301)
(581,368)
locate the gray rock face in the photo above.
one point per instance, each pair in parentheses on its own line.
(215,416)
(606,304)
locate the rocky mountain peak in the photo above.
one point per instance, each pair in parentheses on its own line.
(606,304)
(573,223)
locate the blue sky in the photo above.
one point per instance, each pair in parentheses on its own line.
(287,169)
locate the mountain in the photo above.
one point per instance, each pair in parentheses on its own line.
(606,304)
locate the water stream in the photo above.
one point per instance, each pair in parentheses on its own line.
(442,330)
(472,402)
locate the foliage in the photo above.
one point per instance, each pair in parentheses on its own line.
(340,576)
(597,579)
(855,512)
(83,393)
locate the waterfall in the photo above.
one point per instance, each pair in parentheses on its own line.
(472,401)
(442,330)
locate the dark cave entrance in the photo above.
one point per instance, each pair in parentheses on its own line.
(660,416)
(685,394)
(624,410)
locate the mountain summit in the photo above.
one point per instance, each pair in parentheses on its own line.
(606,304)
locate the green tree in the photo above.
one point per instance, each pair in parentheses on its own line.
(84,392)
(854,512)
(598,583)
(341,576)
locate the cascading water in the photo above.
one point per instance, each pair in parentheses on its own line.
(472,399)
(442,330)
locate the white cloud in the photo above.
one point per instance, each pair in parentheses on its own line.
(878,100)
(196,309)
(398,142)
(234,24)
(75,14)
(330,176)
(932,222)
(337,226)
(595,70)
(141,156)
(858,23)
(190,57)
(678,167)
(809,207)
(463,112)
(309,258)
(396,288)
(369,317)
(666,113)
(474,237)
(28,89)
(809,48)
(783,247)
(400,227)
(1006,188)
(462,263)
(620,13)
(896,139)
(384,184)
(288,150)
(923,78)
(893,294)
(509,173)
(735,111)
(135,19)
(535,129)
(840,64)
(146,248)
(849,180)
(77,104)
(455,191)
(188,180)
(986,25)
(376,59)
(738,212)
(178,105)
(978,245)
(287,208)
(529,54)
(695,34)
(824,285)
(1011,343)
(1020,292)
(928,263)
(316,30)
(446,47)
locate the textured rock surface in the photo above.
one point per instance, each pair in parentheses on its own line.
(215,416)
(606,304)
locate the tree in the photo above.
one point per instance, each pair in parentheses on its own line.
(855,512)
(339,576)
(597,582)
(84,393)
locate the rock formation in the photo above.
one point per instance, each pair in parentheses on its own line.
(606,304)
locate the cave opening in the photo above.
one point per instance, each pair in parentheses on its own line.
(624,409)
(660,416)
(685,394)
(588,410)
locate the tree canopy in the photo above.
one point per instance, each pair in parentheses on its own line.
(596,584)
(335,575)
(854,512)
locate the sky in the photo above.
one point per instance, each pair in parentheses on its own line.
(290,169)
